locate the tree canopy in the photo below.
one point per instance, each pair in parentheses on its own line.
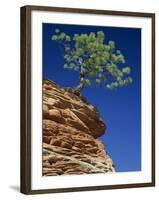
(94,59)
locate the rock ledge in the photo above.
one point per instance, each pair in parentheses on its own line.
(70,129)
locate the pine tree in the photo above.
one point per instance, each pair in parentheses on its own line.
(93,59)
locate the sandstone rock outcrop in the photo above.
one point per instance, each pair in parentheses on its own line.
(70,129)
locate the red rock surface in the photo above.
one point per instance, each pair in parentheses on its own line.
(70,131)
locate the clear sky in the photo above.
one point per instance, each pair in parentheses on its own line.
(120,109)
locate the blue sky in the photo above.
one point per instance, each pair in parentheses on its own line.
(120,109)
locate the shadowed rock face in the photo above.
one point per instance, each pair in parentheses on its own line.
(70,129)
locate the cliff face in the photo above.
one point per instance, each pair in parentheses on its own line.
(70,129)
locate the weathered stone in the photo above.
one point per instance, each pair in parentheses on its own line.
(70,128)
(51,101)
(55,115)
(45,111)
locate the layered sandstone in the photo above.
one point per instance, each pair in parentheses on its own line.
(71,127)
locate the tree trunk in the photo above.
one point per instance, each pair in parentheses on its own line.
(77,90)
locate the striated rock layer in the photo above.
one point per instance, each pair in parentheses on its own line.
(70,129)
